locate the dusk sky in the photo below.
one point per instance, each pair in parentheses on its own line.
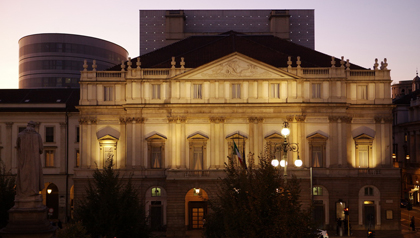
(359,30)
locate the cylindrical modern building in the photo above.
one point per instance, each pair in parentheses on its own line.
(53,60)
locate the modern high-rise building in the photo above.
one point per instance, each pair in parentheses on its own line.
(53,60)
(159,28)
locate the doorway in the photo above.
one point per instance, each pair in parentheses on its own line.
(369,216)
(197,212)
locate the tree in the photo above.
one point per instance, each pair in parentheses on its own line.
(7,194)
(73,230)
(257,202)
(112,207)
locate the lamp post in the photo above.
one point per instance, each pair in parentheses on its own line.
(285,147)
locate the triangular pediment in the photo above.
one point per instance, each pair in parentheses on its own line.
(107,138)
(198,136)
(156,136)
(236,66)
(317,136)
(236,136)
(274,136)
(363,137)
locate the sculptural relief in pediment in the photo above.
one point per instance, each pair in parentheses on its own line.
(236,68)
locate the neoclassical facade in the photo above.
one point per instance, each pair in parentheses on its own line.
(171,117)
(57,121)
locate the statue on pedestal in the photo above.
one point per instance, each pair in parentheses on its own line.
(29,169)
(28,217)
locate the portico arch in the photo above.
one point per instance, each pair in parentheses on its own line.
(195,208)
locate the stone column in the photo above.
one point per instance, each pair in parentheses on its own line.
(387,141)
(63,149)
(334,158)
(222,141)
(171,143)
(212,159)
(259,135)
(83,143)
(10,148)
(347,143)
(139,156)
(183,145)
(377,160)
(251,122)
(293,131)
(301,138)
(130,125)
(122,145)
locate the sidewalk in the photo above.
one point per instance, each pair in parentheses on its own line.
(379,234)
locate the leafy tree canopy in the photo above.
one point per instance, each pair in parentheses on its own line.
(7,194)
(257,202)
(112,207)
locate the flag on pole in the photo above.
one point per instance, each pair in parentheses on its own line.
(237,153)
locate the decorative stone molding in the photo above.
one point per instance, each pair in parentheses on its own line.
(290,118)
(217,119)
(300,118)
(9,125)
(346,119)
(123,120)
(378,119)
(83,120)
(177,119)
(139,119)
(63,124)
(252,119)
(333,118)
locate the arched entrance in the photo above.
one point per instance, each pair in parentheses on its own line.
(156,207)
(52,200)
(195,208)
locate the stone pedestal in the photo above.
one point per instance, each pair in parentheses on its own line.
(28,219)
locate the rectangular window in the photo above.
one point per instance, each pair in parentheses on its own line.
(362,92)
(156,160)
(49,134)
(363,156)
(197,158)
(49,158)
(21,128)
(275,90)
(316,90)
(77,134)
(77,158)
(317,157)
(317,191)
(197,91)
(155,91)
(368,191)
(108,94)
(236,91)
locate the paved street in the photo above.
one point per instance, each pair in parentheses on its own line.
(405,227)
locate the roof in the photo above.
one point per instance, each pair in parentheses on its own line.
(22,100)
(406,99)
(199,50)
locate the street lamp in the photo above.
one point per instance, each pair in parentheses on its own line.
(285,147)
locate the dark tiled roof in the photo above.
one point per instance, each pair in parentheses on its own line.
(406,99)
(38,98)
(199,50)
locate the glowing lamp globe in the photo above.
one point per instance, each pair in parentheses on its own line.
(298,163)
(285,132)
(275,162)
(283,163)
